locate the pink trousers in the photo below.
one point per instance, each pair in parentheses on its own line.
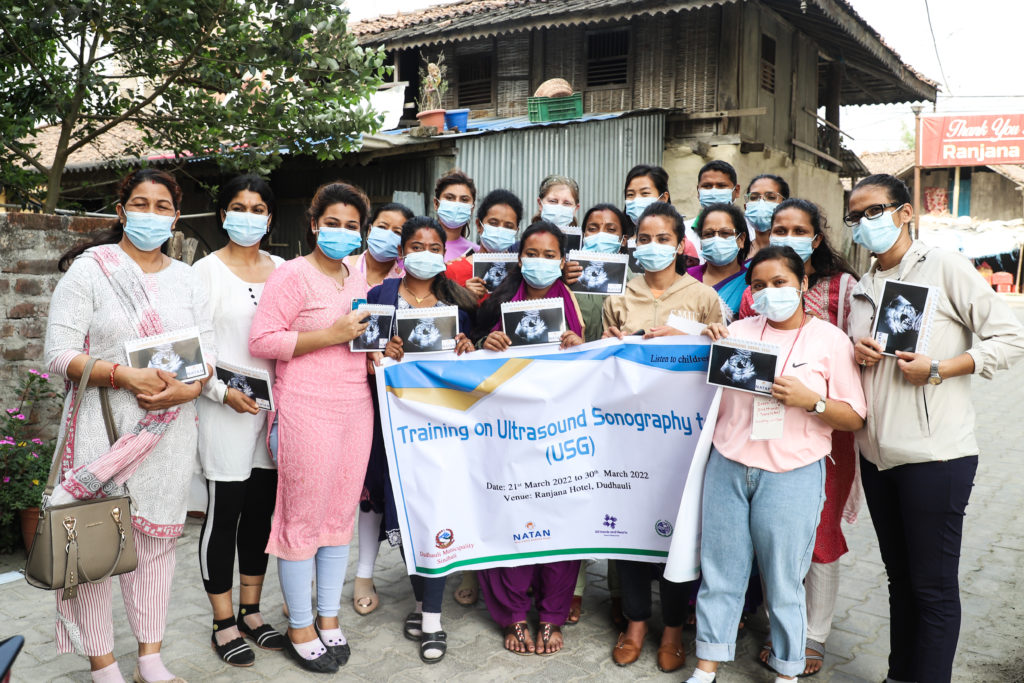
(86,623)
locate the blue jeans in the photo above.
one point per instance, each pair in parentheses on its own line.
(775,515)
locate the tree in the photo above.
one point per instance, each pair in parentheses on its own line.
(235,78)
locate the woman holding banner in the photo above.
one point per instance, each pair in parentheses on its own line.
(664,288)
(304,321)
(765,481)
(506,589)
(424,285)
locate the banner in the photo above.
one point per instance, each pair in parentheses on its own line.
(527,456)
(977,140)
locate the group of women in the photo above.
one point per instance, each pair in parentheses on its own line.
(296,482)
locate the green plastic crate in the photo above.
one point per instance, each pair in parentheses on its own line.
(543,109)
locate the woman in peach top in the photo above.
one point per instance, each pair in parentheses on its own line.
(764,495)
(324,420)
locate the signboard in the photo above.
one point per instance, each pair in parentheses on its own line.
(975,140)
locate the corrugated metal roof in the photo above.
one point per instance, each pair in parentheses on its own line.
(597,155)
(492,124)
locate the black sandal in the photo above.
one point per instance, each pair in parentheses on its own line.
(235,652)
(413,627)
(341,653)
(519,630)
(265,636)
(324,664)
(433,641)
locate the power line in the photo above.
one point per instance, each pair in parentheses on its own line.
(935,44)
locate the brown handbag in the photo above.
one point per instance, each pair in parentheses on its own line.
(86,540)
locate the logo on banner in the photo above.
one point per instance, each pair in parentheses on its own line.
(444,538)
(532,533)
(663,527)
(609,527)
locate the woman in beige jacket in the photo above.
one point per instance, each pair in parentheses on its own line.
(918,450)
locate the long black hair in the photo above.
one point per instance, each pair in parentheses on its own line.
(116,232)
(894,187)
(628,229)
(784,254)
(779,181)
(490,311)
(441,287)
(824,259)
(252,183)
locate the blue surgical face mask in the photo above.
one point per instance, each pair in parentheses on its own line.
(654,257)
(147,231)
(777,303)
(245,229)
(714,196)
(383,244)
(424,264)
(541,272)
(759,214)
(877,234)
(635,207)
(602,243)
(557,214)
(803,246)
(453,214)
(720,251)
(337,243)
(496,238)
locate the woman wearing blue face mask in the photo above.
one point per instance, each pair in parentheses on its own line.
(380,258)
(454,197)
(118,289)
(645,307)
(304,322)
(918,452)
(497,227)
(645,185)
(723,243)
(801,226)
(765,483)
(764,193)
(423,285)
(240,476)
(558,200)
(605,231)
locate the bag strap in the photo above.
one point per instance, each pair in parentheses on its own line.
(108,415)
(55,465)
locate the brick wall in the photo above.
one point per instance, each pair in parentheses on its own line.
(30,245)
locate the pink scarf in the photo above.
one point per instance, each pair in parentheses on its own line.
(558,290)
(108,474)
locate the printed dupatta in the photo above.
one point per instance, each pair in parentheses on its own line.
(108,474)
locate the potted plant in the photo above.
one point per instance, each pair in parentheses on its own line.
(24,461)
(433,86)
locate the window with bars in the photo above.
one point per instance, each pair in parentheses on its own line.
(608,57)
(475,80)
(767,63)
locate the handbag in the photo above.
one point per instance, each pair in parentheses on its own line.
(84,541)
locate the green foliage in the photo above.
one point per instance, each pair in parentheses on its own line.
(238,78)
(24,458)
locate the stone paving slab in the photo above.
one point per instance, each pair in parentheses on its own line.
(991,648)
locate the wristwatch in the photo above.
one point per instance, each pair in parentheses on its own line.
(935,378)
(819,407)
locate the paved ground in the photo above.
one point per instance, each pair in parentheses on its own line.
(991,648)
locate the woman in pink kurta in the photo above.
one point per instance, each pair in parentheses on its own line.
(324,420)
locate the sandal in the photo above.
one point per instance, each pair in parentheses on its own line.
(413,627)
(520,630)
(468,591)
(265,636)
(819,656)
(364,596)
(340,651)
(547,630)
(433,641)
(235,652)
(575,610)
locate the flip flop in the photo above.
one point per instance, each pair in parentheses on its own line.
(364,597)
(520,630)
(819,650)
(468,591)
(546,631)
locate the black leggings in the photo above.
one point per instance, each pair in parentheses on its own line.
(635,584)
(237,514)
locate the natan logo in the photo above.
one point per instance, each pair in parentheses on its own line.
(532,533)
(444,538)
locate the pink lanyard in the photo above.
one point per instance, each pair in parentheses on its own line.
(800,329)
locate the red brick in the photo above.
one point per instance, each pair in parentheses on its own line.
(26,352)
(23,310)
(5,286)
(36,267)
(35,221)
(33,329)
(30,287)
(88,224)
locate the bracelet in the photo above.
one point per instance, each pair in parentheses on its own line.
(113,384)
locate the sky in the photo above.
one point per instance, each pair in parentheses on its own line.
(977,43)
